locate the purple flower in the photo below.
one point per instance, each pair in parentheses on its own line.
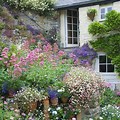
(33,30)
(52,93)
(84,53)
(118,93)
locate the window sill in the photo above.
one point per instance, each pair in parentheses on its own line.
(102,20)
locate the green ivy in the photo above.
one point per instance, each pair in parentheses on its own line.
(108,37)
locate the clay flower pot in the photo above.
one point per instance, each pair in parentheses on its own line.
(64,99)
(32,105)
(46,103)
(54,101)
(11,93)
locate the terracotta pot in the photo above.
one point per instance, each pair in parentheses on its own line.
(54,101)
(46,103)
(11,93)
(64,99)
(32,106)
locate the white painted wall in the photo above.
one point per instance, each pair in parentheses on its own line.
(84,21)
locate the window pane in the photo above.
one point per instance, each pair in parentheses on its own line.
(75,20)
(102,16)
(74,27)
(69,40)
(75,13)
(108,60)
(69,20)
(110,68)
(69,13)
(75,41)
(69,33)
(103,10)
(75,34)
(102,59)
(102,68)
(109,9)
(69,26)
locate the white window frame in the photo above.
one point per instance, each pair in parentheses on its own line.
(106,10)
(97,65)
(72,45)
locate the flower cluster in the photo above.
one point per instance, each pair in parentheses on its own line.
(56,113)
(41,6)
(83,55)
(28,94)
(84,85)
(110,112)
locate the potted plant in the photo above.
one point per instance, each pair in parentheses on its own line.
(64,93)
(91,13)
(53,95)
(27,98)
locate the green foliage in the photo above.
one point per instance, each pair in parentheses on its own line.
(92,10)
(108,37)
(96,28)
(110,112)
(42,7)
(45,75)
(108,97)
(113,21)
(3,77)
(2,25)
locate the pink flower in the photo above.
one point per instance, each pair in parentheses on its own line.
(5,103)
(33,41)
(76,62)
(61,53)
(1,58)
(106,84)
(71,55)
(55,47)
(23,114)
(42,63)
(118,93)
(6,49)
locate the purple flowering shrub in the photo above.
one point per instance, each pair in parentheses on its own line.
(84,55)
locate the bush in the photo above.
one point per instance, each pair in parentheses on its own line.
(85,86)
(42,7)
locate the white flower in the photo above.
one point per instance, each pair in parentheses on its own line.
(49,109)
(11,118)
(90,119)
(100,118)
(58,108)
(54,112)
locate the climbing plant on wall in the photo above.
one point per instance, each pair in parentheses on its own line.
(107,37)
(43,7)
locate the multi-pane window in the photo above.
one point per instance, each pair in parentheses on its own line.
(105,64)
(72,26)
(104,11)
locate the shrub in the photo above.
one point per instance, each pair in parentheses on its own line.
(85,86)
